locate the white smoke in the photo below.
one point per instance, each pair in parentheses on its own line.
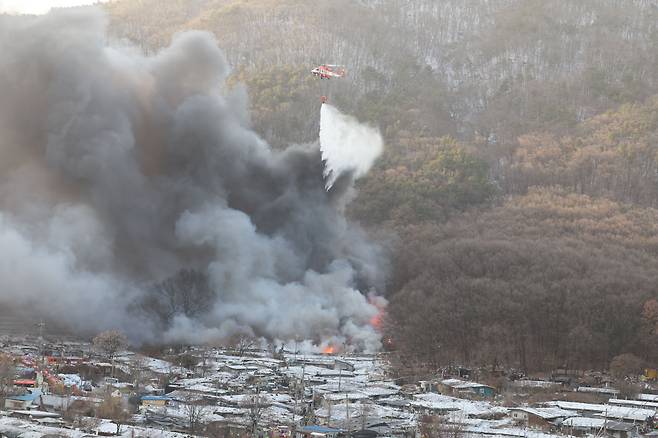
(346,145)
(38,7)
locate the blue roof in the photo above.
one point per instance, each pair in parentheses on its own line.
(155,397)
(320,429)
(26,397)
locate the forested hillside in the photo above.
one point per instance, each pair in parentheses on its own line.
(521,168)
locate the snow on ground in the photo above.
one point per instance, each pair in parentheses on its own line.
(26,429)
(160,366)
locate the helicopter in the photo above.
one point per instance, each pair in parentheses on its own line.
(329,71)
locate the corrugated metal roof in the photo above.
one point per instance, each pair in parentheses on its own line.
(320,429)
(155,397)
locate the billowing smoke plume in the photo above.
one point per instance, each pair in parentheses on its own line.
(133,195)
(347,146)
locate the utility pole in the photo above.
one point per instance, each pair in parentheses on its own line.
(347,412)
(41,326)
(295,394)
(340,375)
(303,392)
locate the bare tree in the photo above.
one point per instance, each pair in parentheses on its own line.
(188,293)
(110,342)
(7,371)
(195,412)
(256,404)
(205,362)
(112,408)
(138,365)
(626,365)
(241,342)
(365,411)
(434,426)
(86,423)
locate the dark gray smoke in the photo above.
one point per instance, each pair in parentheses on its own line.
(120,173)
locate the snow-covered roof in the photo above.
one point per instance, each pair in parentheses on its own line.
(648,397)
(338,396)
(577,406)
(266,398)
(627,413)
(444,403)
(160,366)
(584,422)
(342,411)
(598,390)
(549,413)
(394,401)
(609,411)
(380,391)
(107,427)
(533,383)
(71,379)
(227,410)
(462,384)
(155,398)
(638,403)
(37,414)
(503,428)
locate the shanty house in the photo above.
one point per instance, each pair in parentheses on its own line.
(456,387)
(539,418)
(342,397)
(317,431)
(618,429)
(21,402)
(428,386)
(343,365)
(637,416)
(579,426)
(155,400)
(26,383)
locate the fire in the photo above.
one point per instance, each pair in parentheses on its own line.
(329,349)
(376,321)
(380,304)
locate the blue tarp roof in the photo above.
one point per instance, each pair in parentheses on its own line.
(155,397)
(320,429)
(26,397)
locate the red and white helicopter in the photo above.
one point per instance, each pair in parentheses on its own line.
(329,71)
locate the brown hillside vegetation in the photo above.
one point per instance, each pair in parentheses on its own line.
(546,279)
(614,154)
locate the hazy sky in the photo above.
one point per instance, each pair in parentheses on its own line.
(39,6)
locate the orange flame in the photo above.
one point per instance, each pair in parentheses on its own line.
(329,349)
(376,320)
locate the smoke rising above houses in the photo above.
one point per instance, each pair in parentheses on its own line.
(134,195)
